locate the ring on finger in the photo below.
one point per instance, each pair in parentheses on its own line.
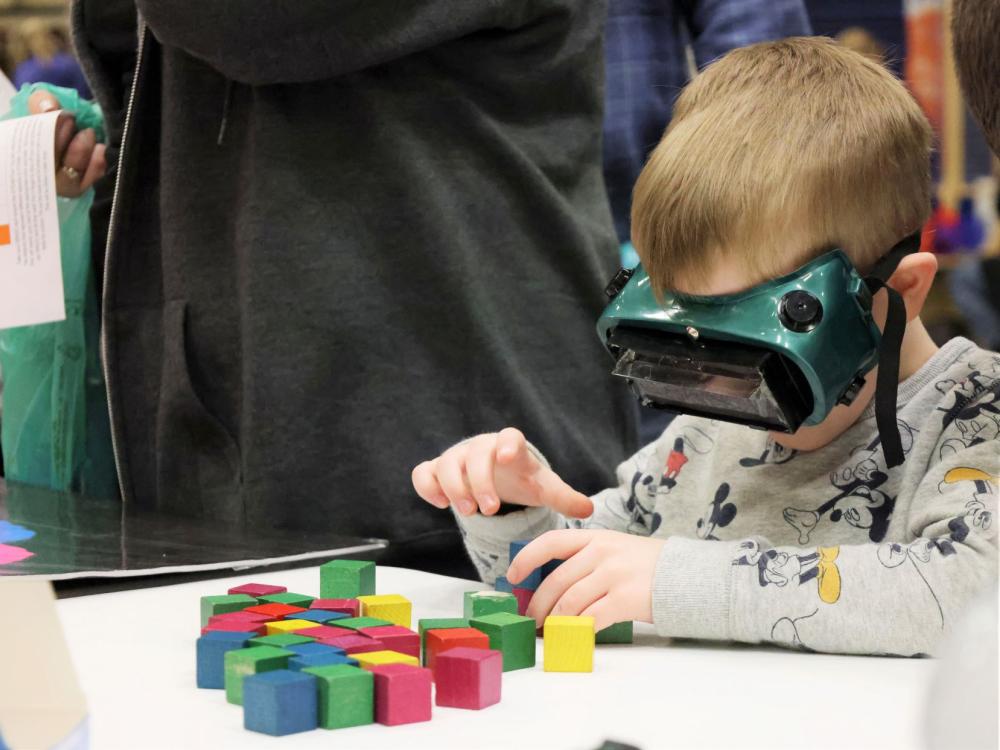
(72,173)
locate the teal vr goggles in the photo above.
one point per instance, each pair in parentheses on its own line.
(778,356)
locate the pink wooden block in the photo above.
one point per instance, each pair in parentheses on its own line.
(325,631)
(468,677)
(402,694)
(523,599)
(355,644)
(395,638)
(241,616)
(245,626)
(350,607)
(257,589)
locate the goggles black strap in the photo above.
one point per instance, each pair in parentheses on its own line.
(887,382)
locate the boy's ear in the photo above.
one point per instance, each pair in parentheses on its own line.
(912,279)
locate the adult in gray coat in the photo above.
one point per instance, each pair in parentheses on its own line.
(344,234)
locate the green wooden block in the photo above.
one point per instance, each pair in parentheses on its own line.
(356,623)
(346,695)
(511,635)
(280,640)
(289,598)
(479,603)
(243,662)
(222,603)
(620,632)
(437,623)
(346,579)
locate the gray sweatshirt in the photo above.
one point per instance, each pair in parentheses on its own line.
(824,550)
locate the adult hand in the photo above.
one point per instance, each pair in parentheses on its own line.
(80,159)
(606,575)
(480,471)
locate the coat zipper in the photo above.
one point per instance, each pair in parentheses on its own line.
(112,229)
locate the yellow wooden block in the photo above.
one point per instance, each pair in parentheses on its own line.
(392,607)
(569,644)
(288,626)
(374,658)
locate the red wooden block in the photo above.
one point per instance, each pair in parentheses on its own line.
(350,607)
(274,610)
(241,616)
(257,589)
(395,638)
(438,641)
(523,599)
(251,627)
(355,644)
(402,694)
(468,677)
(321,632)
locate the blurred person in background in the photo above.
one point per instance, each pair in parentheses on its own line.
(652,48)
(49,60)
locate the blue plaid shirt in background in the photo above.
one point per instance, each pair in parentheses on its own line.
(646,64)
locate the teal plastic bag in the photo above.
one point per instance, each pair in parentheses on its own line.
(54,428)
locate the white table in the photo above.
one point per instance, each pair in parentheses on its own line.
(135,655)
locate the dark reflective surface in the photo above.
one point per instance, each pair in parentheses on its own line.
(78,537)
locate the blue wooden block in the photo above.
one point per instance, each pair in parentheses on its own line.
(211,652)
(298,663)
(319,616)
(308,649)
(548,567)
(502,584)
(280,702)
(534,579)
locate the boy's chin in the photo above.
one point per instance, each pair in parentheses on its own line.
(817,436)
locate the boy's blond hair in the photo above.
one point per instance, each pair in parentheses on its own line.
(776,153)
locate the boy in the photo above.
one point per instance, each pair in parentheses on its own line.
(777,153)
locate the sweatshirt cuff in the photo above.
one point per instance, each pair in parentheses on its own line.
(692,589)
(495,533)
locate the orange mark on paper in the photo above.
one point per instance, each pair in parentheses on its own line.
(4,234)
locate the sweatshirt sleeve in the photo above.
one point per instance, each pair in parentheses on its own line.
(261,42)
(488,538)
(896,597)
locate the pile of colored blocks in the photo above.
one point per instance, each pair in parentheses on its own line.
(350,658)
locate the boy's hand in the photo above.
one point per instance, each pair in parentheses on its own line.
(606,574)
(480,471)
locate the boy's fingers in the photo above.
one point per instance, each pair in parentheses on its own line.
(479,469)
(562,498)
(600,610)
(450,472)
(580,595)
(41,102)
(426,484)
(513,453)
(560,545)
(558,583)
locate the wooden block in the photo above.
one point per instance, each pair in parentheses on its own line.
(550,566)
(402,694)
(240,663)
(287,597)
(511,635)
(395,608)
(439,641)
(257,589)
(323,632)
(569,644)
(217,605)
(346,579)
(349,607)
(318,616)
(304,661)
(620,632)
(395,638)
(211,649)
(241,616)
(280,702)
(479,603)
(436,623)
(288,626)
(523,597)
(468,678)
(257,628)
(356,623)
(280,640)
(534,578)
(502,584)
(275,611)
(356,644)
(369,659)
(313,647)
(346,695)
